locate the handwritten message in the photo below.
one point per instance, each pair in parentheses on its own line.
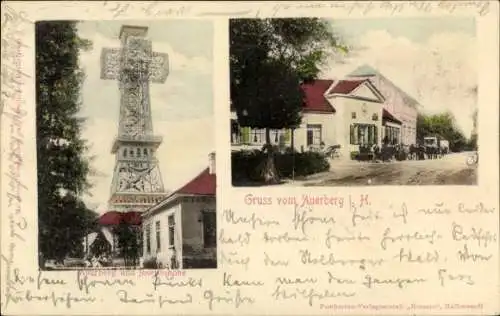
(318,250)
(13,110)
(158,10)
(120,9)
(284,9)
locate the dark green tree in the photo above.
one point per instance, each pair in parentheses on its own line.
(62,167)
(269,59)
(128,241)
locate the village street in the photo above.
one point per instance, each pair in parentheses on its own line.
(451,170)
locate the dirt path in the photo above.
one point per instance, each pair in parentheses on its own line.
(450,170)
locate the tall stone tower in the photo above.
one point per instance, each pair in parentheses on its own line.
(137,182)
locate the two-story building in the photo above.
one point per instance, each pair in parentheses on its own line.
(399,103)
(347,112)
(180,231)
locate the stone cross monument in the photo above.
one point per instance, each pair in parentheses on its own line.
(137,182)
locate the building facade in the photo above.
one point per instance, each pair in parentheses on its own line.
(180,231)
(348,113)
(403,107)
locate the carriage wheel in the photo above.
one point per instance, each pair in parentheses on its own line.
(472,160)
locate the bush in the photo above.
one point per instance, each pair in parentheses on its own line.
(306,163)
(150,263)
(245,164)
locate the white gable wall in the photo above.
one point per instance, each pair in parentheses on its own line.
(345,106)
(397,105)
(363,91)
(165,253)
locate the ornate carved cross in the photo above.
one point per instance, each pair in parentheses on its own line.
(135,56)
(134,65)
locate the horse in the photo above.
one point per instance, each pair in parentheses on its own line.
(432,152)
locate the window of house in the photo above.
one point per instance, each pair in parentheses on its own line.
(276,135)
(145,151)
(209,229)
(158,236)
(353,115)
(235,132)
(392,134)
(313,135)
(125,153)
(258,136)
(138,152)
(375,117)
(363,134)
(171,231)
(131,153)
(148,238)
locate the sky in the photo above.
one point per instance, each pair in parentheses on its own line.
(432,59)
(182,107)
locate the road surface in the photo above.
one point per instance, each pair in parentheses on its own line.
(449,170)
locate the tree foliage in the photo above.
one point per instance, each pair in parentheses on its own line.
(129,242)
(442,125)
(62,167)
(269,58)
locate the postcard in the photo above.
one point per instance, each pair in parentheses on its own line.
(282,158)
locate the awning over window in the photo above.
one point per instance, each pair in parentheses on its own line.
(387,116)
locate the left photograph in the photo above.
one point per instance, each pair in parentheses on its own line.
(125,145)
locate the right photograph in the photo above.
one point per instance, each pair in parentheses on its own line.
(354,102)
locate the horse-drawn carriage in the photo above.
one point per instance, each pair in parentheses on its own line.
(432,147)
(436,147)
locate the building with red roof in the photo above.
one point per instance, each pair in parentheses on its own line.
(314,97)
(349,113)
(180,231)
